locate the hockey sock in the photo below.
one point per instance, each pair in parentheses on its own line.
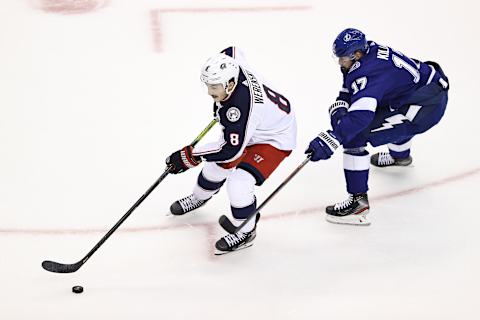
(356,165)
(205,189)
(400,150)
(240,214)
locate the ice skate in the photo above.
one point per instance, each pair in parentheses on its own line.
(384,159)
(352,211)
(186,204)
(235,241)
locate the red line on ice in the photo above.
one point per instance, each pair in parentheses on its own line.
(208,225)
(156,14)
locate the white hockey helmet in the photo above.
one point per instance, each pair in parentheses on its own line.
(220,69)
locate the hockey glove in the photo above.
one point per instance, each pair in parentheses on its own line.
(336,111)
(215,112)
(182,160)
(323,146)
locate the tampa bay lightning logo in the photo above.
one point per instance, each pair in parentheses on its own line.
(352,35)
(233,114)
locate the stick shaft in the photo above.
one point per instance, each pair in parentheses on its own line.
(143,197)
(280,187)
(138,202)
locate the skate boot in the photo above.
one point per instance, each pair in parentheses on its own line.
(384,159)
(235,241)
(186,204)
(354,210)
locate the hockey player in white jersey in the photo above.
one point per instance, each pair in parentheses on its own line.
(258,132)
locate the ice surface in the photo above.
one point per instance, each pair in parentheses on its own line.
(95,96)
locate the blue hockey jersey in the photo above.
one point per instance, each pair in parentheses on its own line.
(383,77)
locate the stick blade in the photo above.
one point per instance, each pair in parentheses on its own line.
(56,267)
(226,224)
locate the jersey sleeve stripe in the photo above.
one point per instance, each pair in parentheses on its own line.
(208,149)
(364,104)
(431,74)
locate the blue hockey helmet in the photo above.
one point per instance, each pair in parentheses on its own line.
(348,42)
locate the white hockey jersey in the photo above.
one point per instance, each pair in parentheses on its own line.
(253,114)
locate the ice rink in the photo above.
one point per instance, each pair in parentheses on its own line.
(96,93)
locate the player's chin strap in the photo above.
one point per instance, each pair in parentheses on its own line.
(229,93)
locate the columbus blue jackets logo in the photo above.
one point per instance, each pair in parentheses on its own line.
(233,114)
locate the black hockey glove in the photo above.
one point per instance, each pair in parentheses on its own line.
(215,112)
(182,160)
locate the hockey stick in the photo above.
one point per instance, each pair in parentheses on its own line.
(228,226)
(69,268)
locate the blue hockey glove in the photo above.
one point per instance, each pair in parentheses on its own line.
(323,146)
(336,111)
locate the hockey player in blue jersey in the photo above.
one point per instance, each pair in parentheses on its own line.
(386,98)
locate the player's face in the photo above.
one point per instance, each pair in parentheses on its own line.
(217,92)
(345,62)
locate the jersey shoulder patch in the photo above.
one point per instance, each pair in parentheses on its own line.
(233,114)
(355,66)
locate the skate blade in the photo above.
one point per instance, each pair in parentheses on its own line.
(221,253)
(355,220)
(169,214)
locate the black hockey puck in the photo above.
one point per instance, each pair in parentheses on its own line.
(77,289)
